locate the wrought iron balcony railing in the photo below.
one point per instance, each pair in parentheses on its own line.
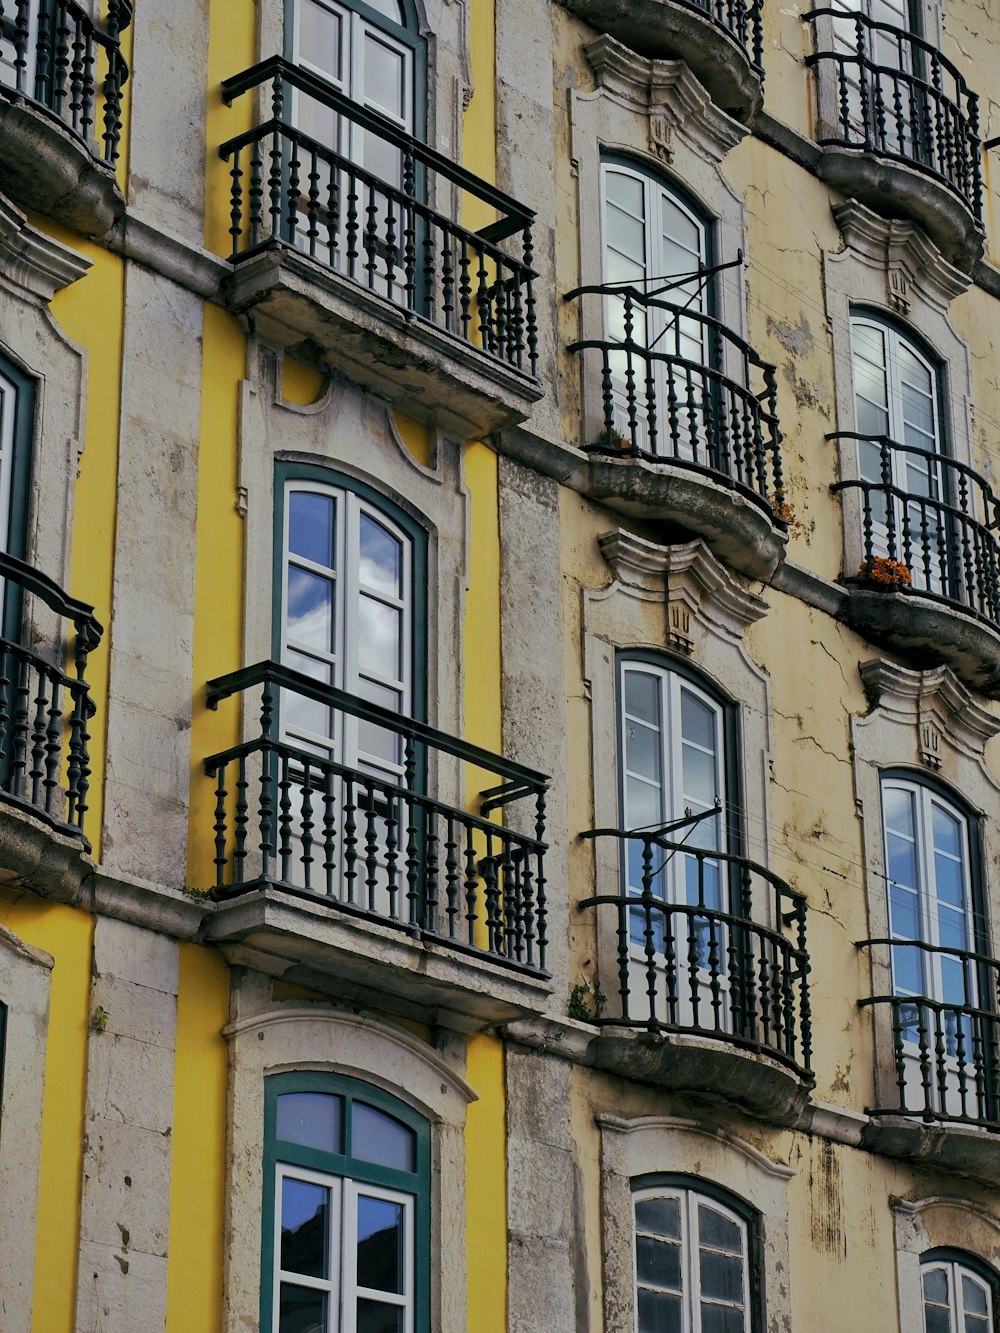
(290,189)
(54,53)
(44,710)
(678,386)
(945,1053)
(899,97)
(742,20)
(942,540)
(375,843)
(691,967)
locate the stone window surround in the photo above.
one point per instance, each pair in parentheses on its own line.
(925,722)
(893,269)
(354,433)
(656,114)
(291,1037)
(677,602)
(25,977)
(938,1222)
(651,1145)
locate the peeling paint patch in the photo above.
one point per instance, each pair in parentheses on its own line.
(794,338)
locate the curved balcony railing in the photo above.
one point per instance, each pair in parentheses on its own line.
(688,967)
(44,710)
(678,386)
(289,189)
(53,53)
(741,20)
(899,97)
(371,844)
(945,1053)
(943,545)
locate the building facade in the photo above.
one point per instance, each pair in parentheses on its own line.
(499,778)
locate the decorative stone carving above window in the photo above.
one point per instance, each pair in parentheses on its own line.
(669,94)
(936,703)
(909,262)
(35,263)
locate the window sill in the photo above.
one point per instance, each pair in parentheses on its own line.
(739,530)
(928,633)
(894,189)
(420,368)
(665,29)
(313,944)
(46,168)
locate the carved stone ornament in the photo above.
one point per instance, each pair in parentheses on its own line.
(32,262)
(669,94)
(697,587)
(940,708)
(905,256)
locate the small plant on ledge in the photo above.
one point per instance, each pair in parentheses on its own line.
(610,438)
(586,1003)
(885,573)
(784,511)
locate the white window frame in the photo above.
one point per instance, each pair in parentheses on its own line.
(956,1272)
(341,1288)
(690,1200)
(8,416)
(342,659)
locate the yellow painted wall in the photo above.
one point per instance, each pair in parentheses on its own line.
(486,1188)
(232,48)
(197,1196)
(66,934)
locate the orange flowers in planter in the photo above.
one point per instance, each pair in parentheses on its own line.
(886,573)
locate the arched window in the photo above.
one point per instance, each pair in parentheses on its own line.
(958,1293)
(346,1205)
(695,1261)
(897,408)
(942,995)
(656,245)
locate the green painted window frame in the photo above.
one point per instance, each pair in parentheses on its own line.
(3,1049)
(419,539)
(416,1183)
(20,479)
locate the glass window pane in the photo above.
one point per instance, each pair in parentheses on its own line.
(659,1312)
(374,1317)
(907,971)
(658,1262)
(392,9)
(722,1319)
(310,527)
(697,721)
(301,1310)
(949,880)
(643,804)
(937,1320)
(626,191)
(642,696)
(625,235)
(719,1231)
(385,77)
(379,638)
(868,342)
(304,1222)
(721,1276)
(380,1138)
(936,1285)
(310,1118)
(947,831)
(643,751)
(380,1244)
(310,609)
(381,561)
(902,856)
(974,1296)
(320,38)
(699,780)
(904,920)
(662,1216)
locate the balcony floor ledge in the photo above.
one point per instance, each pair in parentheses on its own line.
(735,529)
(420,368)
(37,857)
(314,945)
(708,1068)
(964,1150)
(669,29)
(893,189)
(46,168)
(928,633)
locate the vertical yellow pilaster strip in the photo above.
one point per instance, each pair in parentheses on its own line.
(198,1172)
(66,934)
